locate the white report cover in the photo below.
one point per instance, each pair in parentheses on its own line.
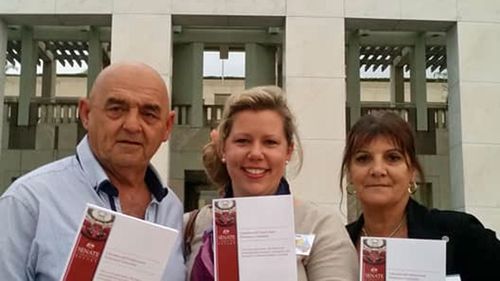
(254,239)
(391,259)
(111,246)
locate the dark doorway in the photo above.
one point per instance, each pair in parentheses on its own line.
(197,190)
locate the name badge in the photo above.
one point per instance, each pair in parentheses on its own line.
(303,244)
(454,277)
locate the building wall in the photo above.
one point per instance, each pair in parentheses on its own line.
(377,91)
(218,86)
(314,76)
(66,86)
(474,103)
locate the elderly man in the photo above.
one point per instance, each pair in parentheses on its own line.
(127,117)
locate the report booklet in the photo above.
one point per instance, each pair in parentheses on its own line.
(111,246)
(254,239)
(391,259)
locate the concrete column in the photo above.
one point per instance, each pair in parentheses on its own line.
(418,81)
(474,100)
(3,49)
(45,129)
(27,82)
(45,136)
(49,78)
(68,135)
(95,57)
(314,67)
(188,80)
(397,84)
(353,96)
(260,65)
(353,79)
(4,127)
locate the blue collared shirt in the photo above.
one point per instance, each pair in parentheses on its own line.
(40,214)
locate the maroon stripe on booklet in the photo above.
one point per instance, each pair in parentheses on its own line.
(374,259)
(226,240)
(89,246)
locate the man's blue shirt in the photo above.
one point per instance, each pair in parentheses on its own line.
(40,214)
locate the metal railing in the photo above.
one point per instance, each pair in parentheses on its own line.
(58,110)
(54,110)
(437,112)
(212,114)
(182,113)
(437,118)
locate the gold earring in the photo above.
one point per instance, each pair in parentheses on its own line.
(350,189)
(412,187)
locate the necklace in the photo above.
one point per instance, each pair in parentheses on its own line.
(398,227)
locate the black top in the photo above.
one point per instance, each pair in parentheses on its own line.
(472,250)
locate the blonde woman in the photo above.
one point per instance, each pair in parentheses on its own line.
(253,145)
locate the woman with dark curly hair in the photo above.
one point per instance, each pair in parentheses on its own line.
(381,168)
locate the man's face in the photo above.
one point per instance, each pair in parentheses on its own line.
(127,118)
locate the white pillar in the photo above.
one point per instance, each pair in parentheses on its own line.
(314,70)
(146,38)
(474,100)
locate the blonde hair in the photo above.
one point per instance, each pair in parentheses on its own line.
(255,99)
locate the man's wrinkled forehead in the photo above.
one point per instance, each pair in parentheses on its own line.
(123,101)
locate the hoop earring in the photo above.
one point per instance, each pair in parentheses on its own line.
(350,189)
(412,188)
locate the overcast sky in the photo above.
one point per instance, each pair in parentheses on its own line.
(234,66)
